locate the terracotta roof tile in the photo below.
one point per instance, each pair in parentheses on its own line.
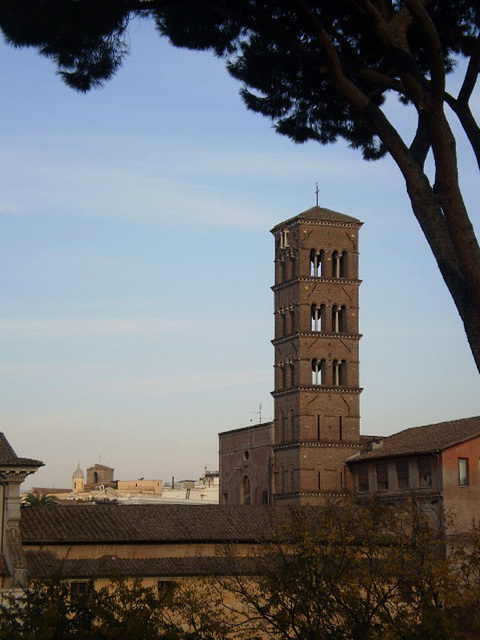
(8,457)
(431,438)
(43,564)
(163,523)
(319,214)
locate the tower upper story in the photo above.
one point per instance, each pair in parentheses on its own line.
(318,243)
(316,301)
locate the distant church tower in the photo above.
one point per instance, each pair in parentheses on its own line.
(78,480)
(316,395)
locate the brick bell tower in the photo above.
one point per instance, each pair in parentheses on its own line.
(317,392)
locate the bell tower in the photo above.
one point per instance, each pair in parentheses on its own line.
(316,395)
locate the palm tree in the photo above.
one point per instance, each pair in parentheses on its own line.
(36,498)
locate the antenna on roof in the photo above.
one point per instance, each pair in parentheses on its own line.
(316,193)
(258,413)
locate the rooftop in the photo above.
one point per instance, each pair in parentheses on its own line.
(8,457)
(319,214)
(41,564)
(148,523)
(431,438)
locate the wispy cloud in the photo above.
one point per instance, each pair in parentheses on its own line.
(180,187)
(110,327)
(101,379)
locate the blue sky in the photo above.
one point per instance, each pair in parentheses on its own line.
(136,265)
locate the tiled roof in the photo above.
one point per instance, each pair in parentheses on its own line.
(319,214)
(146,523)
(43,564)
(431,438)
(8,457)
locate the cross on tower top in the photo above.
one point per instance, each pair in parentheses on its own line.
(316,193)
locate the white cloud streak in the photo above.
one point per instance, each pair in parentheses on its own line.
(110,327)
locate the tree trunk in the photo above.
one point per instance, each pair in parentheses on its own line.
(429,213)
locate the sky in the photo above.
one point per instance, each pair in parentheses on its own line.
(136,266)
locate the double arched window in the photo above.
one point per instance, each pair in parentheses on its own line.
(339,373)
(339,264)
(318,317)
(318,372)
(339,316)
(316,260)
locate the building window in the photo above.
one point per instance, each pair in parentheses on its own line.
(292,320)
(319,480)
(425,473)
(283,316)
(293,268)
(318,368)
(339,373)
(225,498)
(463,472)
(165,589)
(316,263)
(339,264)
(77,589)
(403,480)
(338,318)
(291,425)
(363,478)
(382,477)
(284,427)
(318,317)
(246,490)
(265,497)
(284,239)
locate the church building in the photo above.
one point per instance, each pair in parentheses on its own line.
(313,452)
(316,423)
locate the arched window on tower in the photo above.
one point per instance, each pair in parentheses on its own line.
(293,381)
(339,264)
(293,267)
(284,239)
(284,427)
(291,425)
(292,320)
(284,376)
(318,317)
(339,373)
(316,263)
(318,371)
(283,316)
(278,429)
(339,315)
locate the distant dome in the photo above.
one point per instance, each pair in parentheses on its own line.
(78,474)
